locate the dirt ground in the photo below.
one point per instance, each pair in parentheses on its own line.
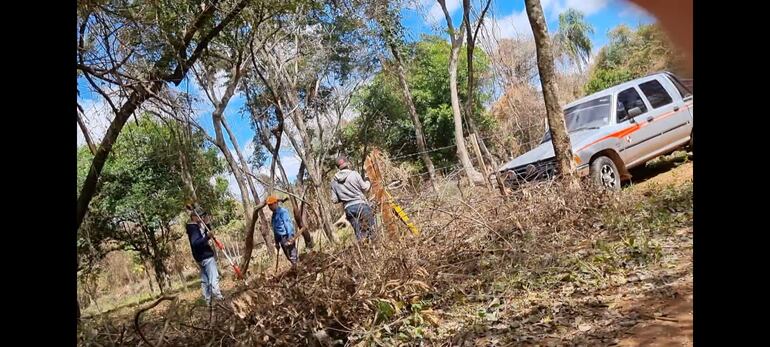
(650,308)
(669,321)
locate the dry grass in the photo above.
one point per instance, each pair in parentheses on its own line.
(474,247)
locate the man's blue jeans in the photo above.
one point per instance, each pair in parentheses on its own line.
(361,218)
(210,279)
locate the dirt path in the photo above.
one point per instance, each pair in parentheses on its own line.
(672,322)
(673,169)
(669,319)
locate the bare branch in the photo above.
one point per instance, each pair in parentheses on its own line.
(84,129)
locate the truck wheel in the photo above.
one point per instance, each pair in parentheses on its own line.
(605,174)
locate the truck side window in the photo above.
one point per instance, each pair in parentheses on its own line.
(683,91)
(627,100)
(655,93)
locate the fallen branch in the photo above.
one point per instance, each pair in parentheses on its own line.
(138,313)
(667,319)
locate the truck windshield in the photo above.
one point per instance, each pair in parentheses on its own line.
(588,115)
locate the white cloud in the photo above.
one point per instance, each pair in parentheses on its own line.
(546,4)
(291,164)
(516,24)
(289,159)
(221,80)
(588,7)
(97,118)
(248,149)
(436,14)
(417,5)
(220,84)
(631,10)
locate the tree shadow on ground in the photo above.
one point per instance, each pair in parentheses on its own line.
(658,166)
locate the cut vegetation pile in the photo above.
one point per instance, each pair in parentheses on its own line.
(482,266)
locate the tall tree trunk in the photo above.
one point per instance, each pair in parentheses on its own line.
(462,150)
(314,172)
(484,150)
(471,35)
(283,91)
(77,302)
(160,273)
(233,164)
(237,171)
(156,258)
(559,137)
(84,130)
(264,136)
(137,97)
(248,246)
(258,214)
(249,216)
(146,272)
(456,38)
(242,159)
(300,215)
(418,133)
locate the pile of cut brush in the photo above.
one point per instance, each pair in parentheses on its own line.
(396,289)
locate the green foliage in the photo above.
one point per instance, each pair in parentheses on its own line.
(142,191)
(632,54)
(604,78)
(385,121)
(573,36)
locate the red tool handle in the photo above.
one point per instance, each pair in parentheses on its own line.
(218,244)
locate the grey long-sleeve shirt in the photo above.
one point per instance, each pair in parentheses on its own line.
(348,188)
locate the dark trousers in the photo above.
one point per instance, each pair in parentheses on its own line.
(361,218)
(290,250)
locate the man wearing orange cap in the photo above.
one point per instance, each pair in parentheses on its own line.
(283,230)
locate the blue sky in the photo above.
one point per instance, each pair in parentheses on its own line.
(510,18)
(506,19)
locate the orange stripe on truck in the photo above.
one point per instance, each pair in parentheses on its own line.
(631,129)
(617,135)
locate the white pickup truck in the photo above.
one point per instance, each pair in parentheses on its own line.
(614,130)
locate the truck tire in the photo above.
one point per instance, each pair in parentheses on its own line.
(605,173)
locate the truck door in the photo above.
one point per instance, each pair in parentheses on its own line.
(631,114)
(670,120)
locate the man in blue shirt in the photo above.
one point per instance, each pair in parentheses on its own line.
(283,230)
(204,255)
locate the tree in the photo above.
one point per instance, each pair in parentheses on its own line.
(314,49)
(231,67)
(142,193)
(384,121)
(471,36)
(456,39)
(573,37)
(559,138)
(631,54)
(118,45)
(392,34)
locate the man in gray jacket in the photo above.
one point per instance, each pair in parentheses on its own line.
(348,188)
